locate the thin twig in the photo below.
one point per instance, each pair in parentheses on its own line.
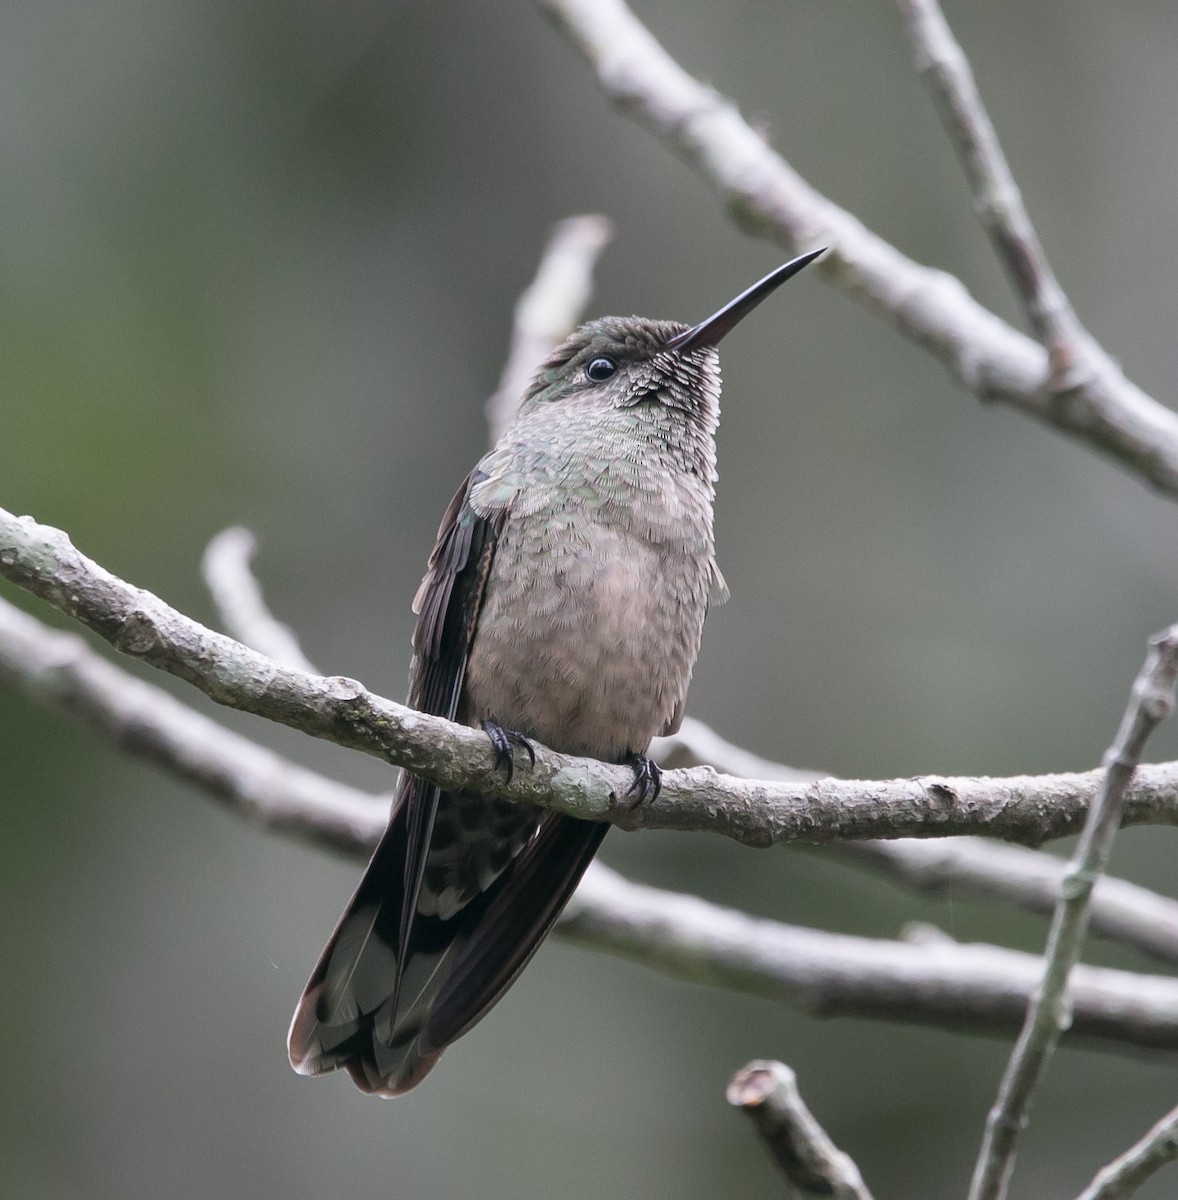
(238,597)
(1124,1175)
(1049,1014)
(997,199)
(767,1092)
(548,309)
(767,197)
(758,813)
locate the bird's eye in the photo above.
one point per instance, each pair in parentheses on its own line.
(600,369)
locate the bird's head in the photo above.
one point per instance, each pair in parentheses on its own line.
(620,362)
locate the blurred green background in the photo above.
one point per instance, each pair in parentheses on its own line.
(257,264)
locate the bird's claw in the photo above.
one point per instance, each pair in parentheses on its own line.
(502,741)
(648,781)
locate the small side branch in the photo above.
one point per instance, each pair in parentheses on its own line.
(1124,1175)
(997,199)
(238,597)
(767,1092)
(1050,1011)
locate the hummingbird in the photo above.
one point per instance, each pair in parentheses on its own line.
(564,602)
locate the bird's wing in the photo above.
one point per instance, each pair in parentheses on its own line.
(431,939)
(360,970)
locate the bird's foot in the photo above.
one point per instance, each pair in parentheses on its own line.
(502,741)
(648,780)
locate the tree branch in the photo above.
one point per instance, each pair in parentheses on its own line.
(61,670)
(768,1093)
(755,812)
(1049,1014)
(698,745)
(767,197)
(979,988)
(968,988)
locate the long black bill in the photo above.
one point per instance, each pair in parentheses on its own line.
(709,332)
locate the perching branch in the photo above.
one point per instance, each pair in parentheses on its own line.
(755,812)
(815,1167)
(1049,1014)
(767,197)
